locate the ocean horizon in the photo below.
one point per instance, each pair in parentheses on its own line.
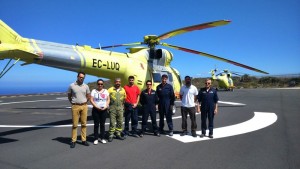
(13,90)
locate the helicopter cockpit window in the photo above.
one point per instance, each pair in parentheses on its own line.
(156,77)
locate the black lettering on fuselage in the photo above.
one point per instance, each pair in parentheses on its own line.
(117,66)
(94,62)
(109,65)
(113,65)
(97,63)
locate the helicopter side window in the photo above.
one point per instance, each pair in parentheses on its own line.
(156,77)
(170,77)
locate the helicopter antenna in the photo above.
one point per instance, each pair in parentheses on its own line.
(216,69)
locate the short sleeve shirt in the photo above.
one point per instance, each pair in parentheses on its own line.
(188,95)
(100,98)
(132,93)
(79,92)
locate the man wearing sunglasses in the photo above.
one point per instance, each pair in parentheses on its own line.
(79,95)
(208,101)
(149,101)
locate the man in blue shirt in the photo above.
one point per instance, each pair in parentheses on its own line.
(208,101)
(166,97)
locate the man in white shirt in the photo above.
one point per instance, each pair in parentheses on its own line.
(188,96)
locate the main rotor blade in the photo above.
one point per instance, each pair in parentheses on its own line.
(213,57)
(127,44)
(193,28)
(236,74)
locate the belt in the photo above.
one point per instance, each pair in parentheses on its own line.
(80,104)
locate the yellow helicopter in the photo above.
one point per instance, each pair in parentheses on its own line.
(143,62)
(224,79)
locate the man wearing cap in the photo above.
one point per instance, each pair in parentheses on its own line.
(79,95)
(166,97)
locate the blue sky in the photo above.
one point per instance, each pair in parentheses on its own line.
(263,34)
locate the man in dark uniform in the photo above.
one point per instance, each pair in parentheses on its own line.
(208,101)
(149,101)
(166,97)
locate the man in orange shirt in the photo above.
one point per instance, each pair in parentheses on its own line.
(131,102)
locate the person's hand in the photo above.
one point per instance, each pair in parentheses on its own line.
(134,105)
(198,110)
(171,107)
(216,112)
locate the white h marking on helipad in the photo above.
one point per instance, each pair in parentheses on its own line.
(259,121)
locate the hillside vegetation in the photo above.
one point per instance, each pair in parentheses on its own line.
(247,81)
(244,81)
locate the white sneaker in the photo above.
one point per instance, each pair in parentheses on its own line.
(96,142)
(103,141)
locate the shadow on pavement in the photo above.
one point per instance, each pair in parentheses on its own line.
(6,140)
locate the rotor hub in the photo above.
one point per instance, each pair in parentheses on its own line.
(151,40)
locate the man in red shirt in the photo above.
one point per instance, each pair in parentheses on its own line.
(131,102)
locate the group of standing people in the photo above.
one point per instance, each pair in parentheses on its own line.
(116,99)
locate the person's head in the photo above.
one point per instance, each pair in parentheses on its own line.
(100,84)
(80,77)
(164,79)
(117,82)
(149,84)
(131,80)
(207,83)
(188,80)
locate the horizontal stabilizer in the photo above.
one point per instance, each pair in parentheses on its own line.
(8,35)
(15,54)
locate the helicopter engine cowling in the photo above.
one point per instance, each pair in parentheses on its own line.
(160,57)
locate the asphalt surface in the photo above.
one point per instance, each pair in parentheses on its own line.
(33,136)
